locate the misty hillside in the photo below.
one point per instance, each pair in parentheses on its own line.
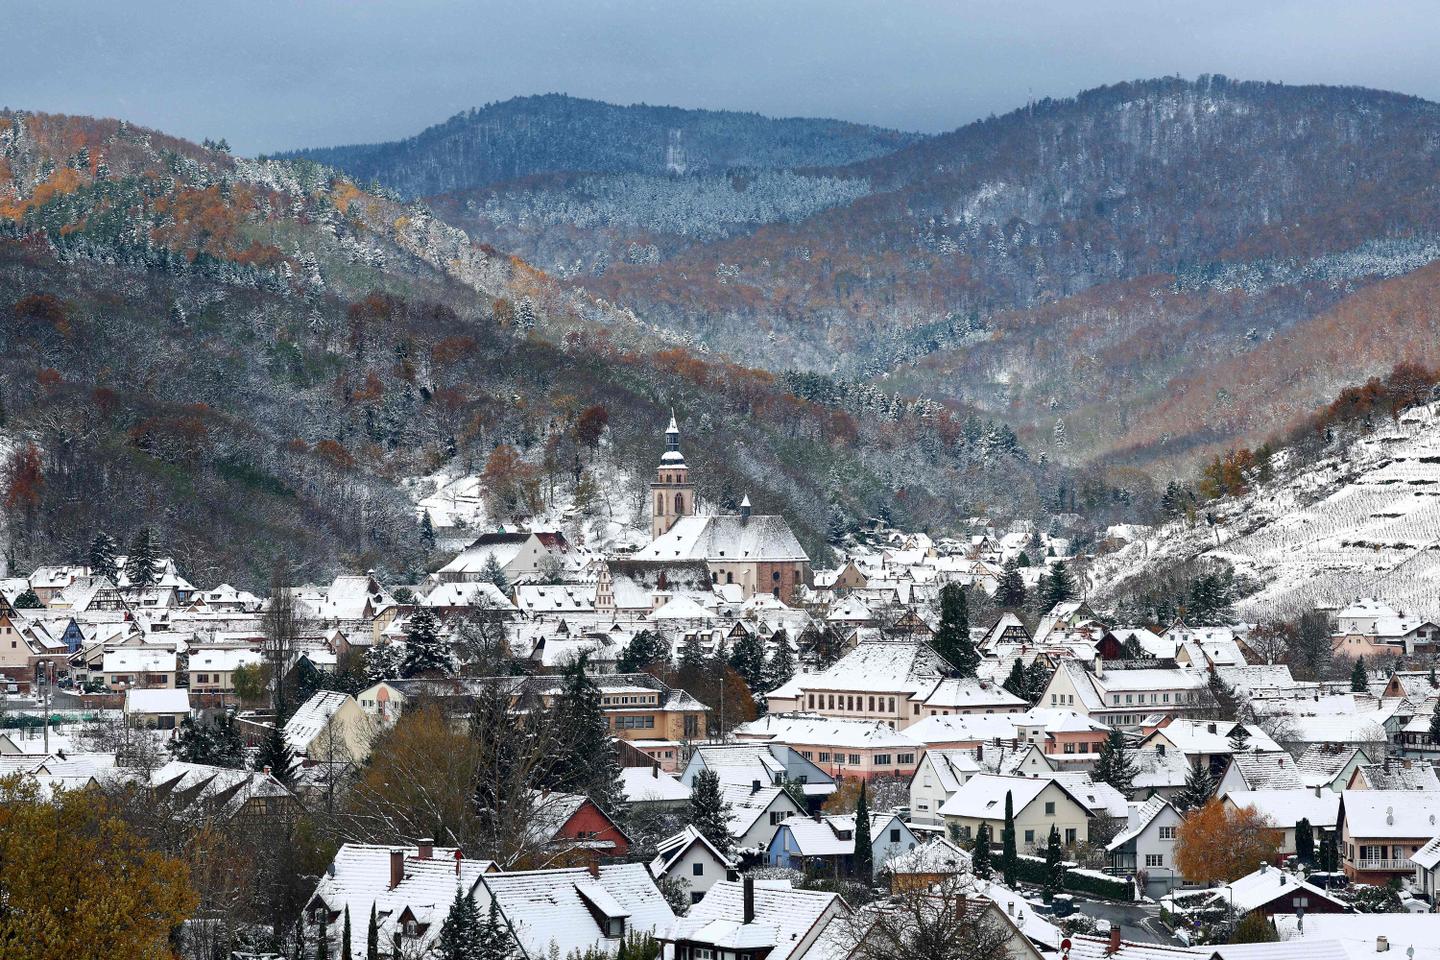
(525,136)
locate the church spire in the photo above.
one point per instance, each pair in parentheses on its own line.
(671,493)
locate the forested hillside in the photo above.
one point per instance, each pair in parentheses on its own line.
(525,136)
(253,357)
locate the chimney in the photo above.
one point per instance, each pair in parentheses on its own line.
(397,868)
(1113,947)
(1382,944)
(459,856)
(745,508)
(655,772)
(1317,791)
(816,816)
(748,885)
(267,769)
(754,786)
(979,751)
(427,848)
(594,867)
(1210,727)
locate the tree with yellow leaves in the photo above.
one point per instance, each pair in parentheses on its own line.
(76,882)
(1218,843)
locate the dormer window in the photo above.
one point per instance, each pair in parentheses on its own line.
(320,915)
(412,929)
(615,927)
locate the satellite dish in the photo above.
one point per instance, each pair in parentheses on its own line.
(1065,944)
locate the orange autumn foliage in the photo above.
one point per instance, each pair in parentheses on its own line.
(24,478)
(1217,843)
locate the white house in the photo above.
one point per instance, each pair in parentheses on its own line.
(689,857)
(1147,845)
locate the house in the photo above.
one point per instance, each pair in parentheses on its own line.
(1381,829)
(1402,774)
(1286,808)
(842,748)
(127,667)
(633,588)
(1037,803)
(826,845)
(157,708)
(557,912)
(329,727)
(212,669)
(519,556)
(942,772)
(758,921)
(756,811)
(1210,742)
(1269,891)
(410,889)
(932,862)
(772,764)
(1147,845)
(1427,869)
(653,789)
(250,798)
(1068,739)
(573,822)
(1359,935)
(691,859)
(1124,695)
(1271,770)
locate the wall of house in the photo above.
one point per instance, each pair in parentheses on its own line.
(588,823)
(711,870)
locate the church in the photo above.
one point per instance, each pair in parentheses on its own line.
(758,552)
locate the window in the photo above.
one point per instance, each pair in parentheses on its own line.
(1167,833)
(832,701)
(776,818)
(824,757)
(872,704)
(1070,835)
(775,577)
(704,953)
(412,929)
(697,869)
(906,758)
(917,709)
(1069,748)
(806,755)
(882,760)
(1029,836)
(812,701)
(854,759)
(679,503)
(894,836)
(1154,859)
(892,704)
(1050,808)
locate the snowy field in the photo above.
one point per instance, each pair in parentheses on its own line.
(1367,524)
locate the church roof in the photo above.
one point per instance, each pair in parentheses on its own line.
(764,538)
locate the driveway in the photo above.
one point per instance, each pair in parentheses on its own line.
(1139,924)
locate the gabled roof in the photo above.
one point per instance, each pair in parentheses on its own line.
(983,796)
(669,851)
(1390,814)
(1288,807)
(1141,818)
(561,906)
(831,836)
(784,918)
(641,784)
(728,538)
(306,723)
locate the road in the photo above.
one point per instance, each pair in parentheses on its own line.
(1138,924)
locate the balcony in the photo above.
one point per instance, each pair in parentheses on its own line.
(1378,865)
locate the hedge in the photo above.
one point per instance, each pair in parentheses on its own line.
(1032,870)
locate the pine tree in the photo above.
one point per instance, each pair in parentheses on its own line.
(1304,841)
(709,813)
(980,857)
(102,557)
(1240,738)
(1115,766)
(644,649)
(1329,853)
(1199,785)
(494,573)
(1359,678)
(1435,724)
(1059,586)
(345,953)
(141,566)
(864,854)
(1039,677)
(427,531)
(1010,594)
(216,742)
(590,765)
(372,936)
(275,753)
(1054,865)
(692,657)
(1017,682)
(952,639)
(425,651)
(781,667)
(322,942)
(495,942)
(383,661)
(460,933)
(1009,862)
(748,660)
(28,600)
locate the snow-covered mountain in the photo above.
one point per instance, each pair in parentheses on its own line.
(1363,523)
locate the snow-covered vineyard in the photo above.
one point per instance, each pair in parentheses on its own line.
(695,744)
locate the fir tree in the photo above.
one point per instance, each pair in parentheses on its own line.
(864,854)
(692,657)
(322,942)
(1009,862)
(383,662)
(1059,586)
(590,765)
(709,813)
(216,742)
(1304,841)
(28,600)
(1199,785)
(345,952)
(980,857)
(952,639)
(1115,766)
(102,557)
(493,573)
(1240,738)
(495,942)
(372,936)
(141,566)
(427,531)
(748,660)
(1359,679)
(1018,682)
(460,933)
(275,753)
(1054,863)
(425,651)
(1226,705)
(1329,853)
(781,667)
(1039,677)
(1010,594)
(643,650)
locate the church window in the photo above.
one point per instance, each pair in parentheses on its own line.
(659,503)
(679,503)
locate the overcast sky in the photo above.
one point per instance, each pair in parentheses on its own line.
(271,74)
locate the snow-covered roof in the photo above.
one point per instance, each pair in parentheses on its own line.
(139,660)
(1271,770)
(983,796)
(307,723)
(1355,934)
(1287,807)
(784,918)
(935,856)
(560,906)
(728,538)
(1138,819)
(642,784)
(669,850)
(810,729)
(963,728)
(221,659)
(1209,737)
(155,700)
(1391,814)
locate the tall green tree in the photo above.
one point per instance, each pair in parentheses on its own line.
(981,857)
(1304,841)
(748,660)
(1240,738)
(1054,863)
(142,566)
(215,742)
(426,652)
(1359,678)
(781,667)
(646,648)
(1010,594)
(345,951)
(1199,785)
(590,764)
(1329,853)
(276,754)
(494,573)
(952,639)
(322,941)
(864,854)
(460,934)
(495,941)
(1059,586)
(1009,858)
(102,562)
(372,936)
(1018,682)
(1435,724)
(1115,765)
(709,813)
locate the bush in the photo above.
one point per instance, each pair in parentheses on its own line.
(1092,882)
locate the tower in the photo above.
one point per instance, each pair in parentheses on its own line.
(671,494)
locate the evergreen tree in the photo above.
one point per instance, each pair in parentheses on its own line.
(275,753)
(748,660)
(1329,853)
(781,667)
(1311,651)
(1226,705)
(1304,841)
(372,936)
(1010,594)
(215,742)
(981,856)
(1435,724)
(142,566)
(590,764)
(1054,863)
(322,942)
(427,531)
(1359,678)
(345,953)
(1115,766)
(643,650)
(1059,586)
(692,657)
(493,573)
(1009,862)
(1240,738)
(1018,682)
(460,933)
(952,639)
(495,942)
(709,813)
(383,661)
(1199,785)
(425,650)
(1039,677)
(864,854)
(28,600)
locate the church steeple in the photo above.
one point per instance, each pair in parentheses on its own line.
(671,494)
